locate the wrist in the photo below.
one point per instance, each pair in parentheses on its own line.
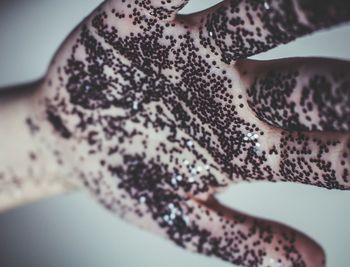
(27,172)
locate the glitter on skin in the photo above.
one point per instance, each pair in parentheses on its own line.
(203,118)
(266,5)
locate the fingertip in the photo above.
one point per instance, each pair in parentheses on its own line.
(305,253)
(312,253)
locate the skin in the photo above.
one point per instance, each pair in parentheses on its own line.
(154,113)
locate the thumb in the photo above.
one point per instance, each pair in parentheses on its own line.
(249,241)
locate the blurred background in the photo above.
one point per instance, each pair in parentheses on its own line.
(73,231)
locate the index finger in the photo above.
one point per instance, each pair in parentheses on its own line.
(242,28)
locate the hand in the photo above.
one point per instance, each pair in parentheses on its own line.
(155,113)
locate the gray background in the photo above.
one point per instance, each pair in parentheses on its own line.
(73,231)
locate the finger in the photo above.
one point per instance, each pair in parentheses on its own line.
(239,29)
(321,159)
(205,227)
(299,94)
(213,230)
(159,9)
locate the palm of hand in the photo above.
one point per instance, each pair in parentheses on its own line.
(156,119)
